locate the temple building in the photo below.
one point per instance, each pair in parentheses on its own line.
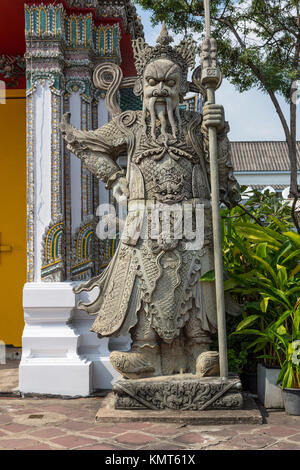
(263,164)
(44,73)
(49,51)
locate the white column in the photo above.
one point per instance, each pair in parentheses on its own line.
(75,163)
(42,168)
(102,119)
(51,362)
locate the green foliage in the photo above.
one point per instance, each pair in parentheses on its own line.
(237,360)
(263,269)
(259,35)
(288,340)
(240,357)
(208,277)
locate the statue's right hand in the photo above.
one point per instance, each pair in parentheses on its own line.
(67,129)
(65,122)
(120,190)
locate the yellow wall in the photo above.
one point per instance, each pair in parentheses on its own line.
(13,215)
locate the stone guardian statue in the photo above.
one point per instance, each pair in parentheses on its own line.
(151,288)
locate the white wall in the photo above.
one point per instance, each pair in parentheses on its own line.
(259,178)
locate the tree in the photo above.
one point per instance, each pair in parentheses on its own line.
(258,46)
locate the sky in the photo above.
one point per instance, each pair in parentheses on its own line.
(251,115)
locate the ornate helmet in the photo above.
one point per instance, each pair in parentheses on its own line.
(183,55)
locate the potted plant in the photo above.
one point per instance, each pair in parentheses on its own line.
(262,255)
(241,360)
(289,377)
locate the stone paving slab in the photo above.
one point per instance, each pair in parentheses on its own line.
(9,378)
(57,424)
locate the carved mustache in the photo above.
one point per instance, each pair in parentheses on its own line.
(161,116)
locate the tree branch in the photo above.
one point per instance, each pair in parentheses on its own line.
(294,215)
(293,117)
(262,79)
(250,215)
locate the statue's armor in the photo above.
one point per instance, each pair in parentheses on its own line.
(158,277)
(166,179)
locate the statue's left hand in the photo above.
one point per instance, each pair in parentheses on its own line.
(213,116)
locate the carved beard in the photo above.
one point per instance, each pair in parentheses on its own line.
(172,117)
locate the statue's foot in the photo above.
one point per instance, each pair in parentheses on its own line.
(137,363)
(193,351)
(207,364)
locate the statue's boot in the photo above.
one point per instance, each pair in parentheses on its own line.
(194,348)
(208,364)
(137,363)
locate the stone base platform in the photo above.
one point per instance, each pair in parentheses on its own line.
(182,398)
(184,392)
(248,414)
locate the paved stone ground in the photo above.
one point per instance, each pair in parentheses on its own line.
(60,424)
(9,378)
(57,424)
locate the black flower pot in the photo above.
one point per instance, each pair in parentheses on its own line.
(249,382)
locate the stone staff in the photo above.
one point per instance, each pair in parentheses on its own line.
(210,79)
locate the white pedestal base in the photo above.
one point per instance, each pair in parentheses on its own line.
(50,362)
(60,355)
(53,378)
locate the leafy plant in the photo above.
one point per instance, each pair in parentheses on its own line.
(262,253)
(240,358)
(289,346)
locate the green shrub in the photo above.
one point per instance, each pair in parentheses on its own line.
(261,257)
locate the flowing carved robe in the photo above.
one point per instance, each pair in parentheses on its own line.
(158,275)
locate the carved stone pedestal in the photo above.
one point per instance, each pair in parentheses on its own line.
(179,399)
(186,392)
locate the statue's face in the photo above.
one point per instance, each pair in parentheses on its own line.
(162,82)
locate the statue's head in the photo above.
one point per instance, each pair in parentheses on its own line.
(162,80)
